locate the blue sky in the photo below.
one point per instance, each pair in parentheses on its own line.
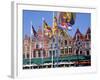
(82,21)
(36,17)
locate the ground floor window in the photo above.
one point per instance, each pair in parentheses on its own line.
(62,51)
(44,53)
(88,52)
(39,53)
(77,51)
(53,52)
(50,53)
(27,55)
(80,52)
(70,50)
(24,55)
(34,55)
(66,50)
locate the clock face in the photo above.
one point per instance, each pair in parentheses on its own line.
(79,43)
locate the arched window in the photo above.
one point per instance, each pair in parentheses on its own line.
(88,52)
(80,52)
(70,50)
(62,51)
(77,51)
(65,42)
(39,53)
(66,50)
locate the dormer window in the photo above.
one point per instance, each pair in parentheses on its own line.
(77,37)
(88,36)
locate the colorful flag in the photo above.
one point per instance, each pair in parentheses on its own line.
(46,27)
(67,19)
(55,26)
(34,32)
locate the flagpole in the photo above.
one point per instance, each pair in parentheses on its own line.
(57,47)
(30,41)
(52,42)
(42,38)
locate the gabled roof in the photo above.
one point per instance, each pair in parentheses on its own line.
(88,32)
(78,32)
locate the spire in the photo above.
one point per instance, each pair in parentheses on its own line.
(88,31)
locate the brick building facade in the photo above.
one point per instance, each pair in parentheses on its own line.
(57,45)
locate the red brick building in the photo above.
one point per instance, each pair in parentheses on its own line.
(44,47)
(82,42)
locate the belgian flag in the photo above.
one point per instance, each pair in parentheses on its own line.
(46,27)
